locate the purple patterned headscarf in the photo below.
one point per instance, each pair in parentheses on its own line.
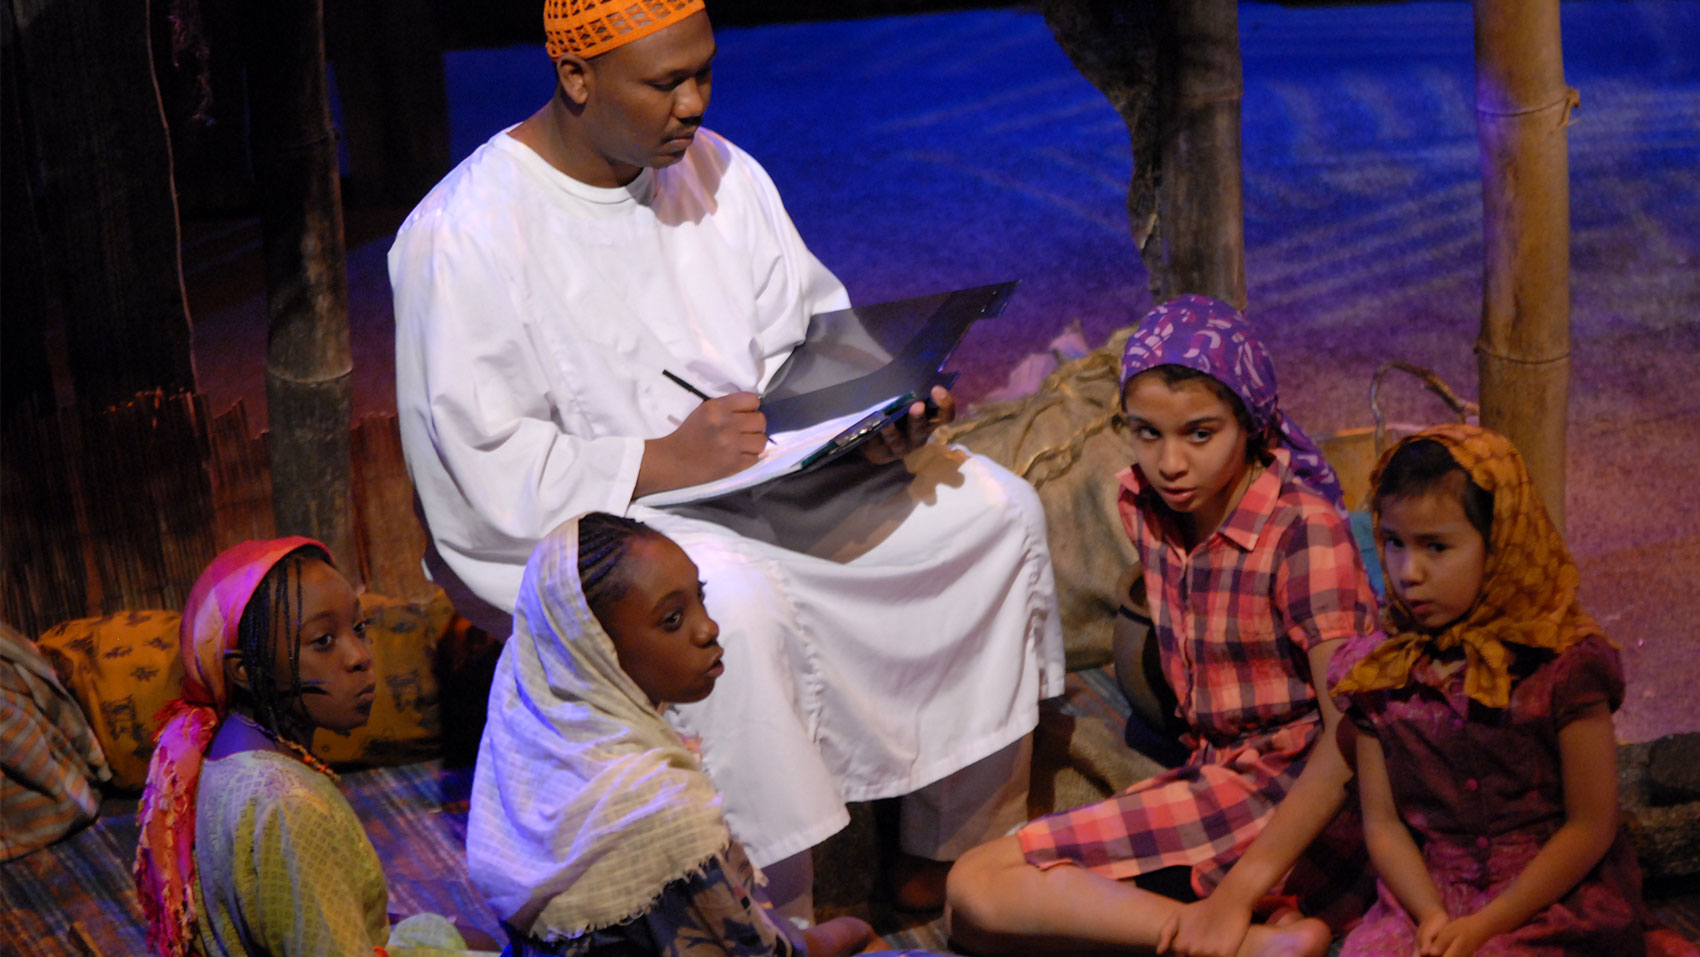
(1213,337)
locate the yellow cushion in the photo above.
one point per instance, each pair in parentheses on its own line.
(406,723)
(123,669)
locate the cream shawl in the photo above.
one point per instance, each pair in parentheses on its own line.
(585,804)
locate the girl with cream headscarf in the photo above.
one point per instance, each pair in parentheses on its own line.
(593,828)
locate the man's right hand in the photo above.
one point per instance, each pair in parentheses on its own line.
(719,437)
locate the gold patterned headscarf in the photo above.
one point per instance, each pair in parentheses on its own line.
(1529,581)
(588,27)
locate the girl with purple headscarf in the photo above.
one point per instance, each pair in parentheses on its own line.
(1253,580)
(1202,334)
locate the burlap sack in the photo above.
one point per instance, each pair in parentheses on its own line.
(1064,439)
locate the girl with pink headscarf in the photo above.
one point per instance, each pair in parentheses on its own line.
(246,844)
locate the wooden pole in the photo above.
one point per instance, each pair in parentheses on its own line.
(1523,352)
(309,390)
(388,56)
(1200,197)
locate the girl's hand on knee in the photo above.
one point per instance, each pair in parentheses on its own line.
(1461,937)
(1446,937)
(1427,930)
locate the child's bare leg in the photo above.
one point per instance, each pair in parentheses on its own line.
(1295,937)
(839,937)
(997,903)
(1000,904)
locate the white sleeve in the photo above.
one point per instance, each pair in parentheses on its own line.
(487,444)
(793,284)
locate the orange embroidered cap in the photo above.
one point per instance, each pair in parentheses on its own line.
(588,27)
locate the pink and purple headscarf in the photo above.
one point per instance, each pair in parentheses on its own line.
(1214,338)
(165,851)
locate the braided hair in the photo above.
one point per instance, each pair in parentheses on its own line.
(602,543)
(273,614)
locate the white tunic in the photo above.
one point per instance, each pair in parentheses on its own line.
(881,630)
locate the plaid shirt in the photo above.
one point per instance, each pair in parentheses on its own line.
(1235,619)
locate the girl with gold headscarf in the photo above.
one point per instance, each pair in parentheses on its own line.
(1485,755)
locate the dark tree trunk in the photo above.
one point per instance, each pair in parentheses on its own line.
(309,393)
(1202,211)
(395,112)
(27,381)
(198,50)
(1171,68)
(89,144)
(1523,352)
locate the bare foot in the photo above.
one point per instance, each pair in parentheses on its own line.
(1294,936)
(838,937)
(1284,915)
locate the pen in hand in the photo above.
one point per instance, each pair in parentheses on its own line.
(693,390)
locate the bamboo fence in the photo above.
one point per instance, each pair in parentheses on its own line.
(120,509)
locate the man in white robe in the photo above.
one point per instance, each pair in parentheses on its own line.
(889,628)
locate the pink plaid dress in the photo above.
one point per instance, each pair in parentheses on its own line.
(1235,620)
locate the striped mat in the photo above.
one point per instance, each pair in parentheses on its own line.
(76,897)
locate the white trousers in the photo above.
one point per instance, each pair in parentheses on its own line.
(883,629)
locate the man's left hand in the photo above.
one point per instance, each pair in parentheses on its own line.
(904,436)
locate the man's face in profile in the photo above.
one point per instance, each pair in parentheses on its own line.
(645,100)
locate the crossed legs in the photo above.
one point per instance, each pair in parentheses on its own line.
(1000,904)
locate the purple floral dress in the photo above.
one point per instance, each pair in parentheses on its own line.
(1482,790)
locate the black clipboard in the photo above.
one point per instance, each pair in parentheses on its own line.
(853,358)
(867,365)
(871,424)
